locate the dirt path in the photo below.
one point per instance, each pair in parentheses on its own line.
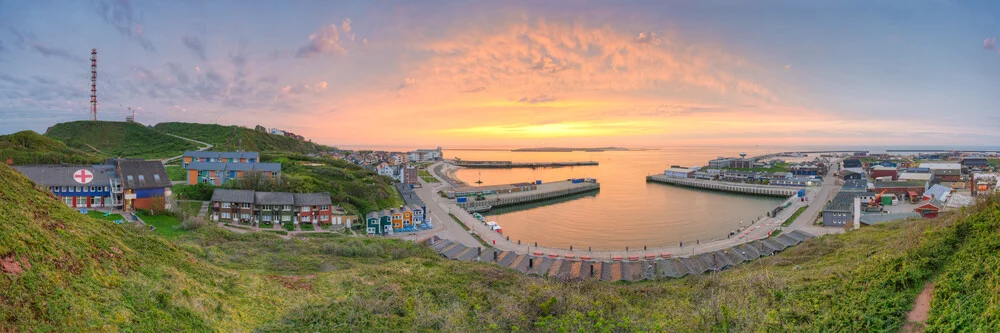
(916,318)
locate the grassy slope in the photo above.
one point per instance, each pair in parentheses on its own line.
(28,147)
(119,139)
(222,138)
(360,190)
(213,279)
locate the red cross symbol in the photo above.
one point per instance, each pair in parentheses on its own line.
(83,176)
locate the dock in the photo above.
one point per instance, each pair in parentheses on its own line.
(509,164)
(540,192)
(777,191)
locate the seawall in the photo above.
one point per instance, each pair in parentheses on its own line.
(559,189)
(776,191)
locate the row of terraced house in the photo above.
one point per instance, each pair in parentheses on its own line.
(218,168)
(265,208)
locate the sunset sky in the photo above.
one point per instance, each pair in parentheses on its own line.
(518,73)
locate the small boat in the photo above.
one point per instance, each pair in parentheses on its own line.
(494,226)
(479,217)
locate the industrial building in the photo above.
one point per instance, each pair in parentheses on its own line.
(855,185)
(679,172)
(901,188)
(944,172)
(852,163)
(880,171)
(931,209)
(975,163)
(840,211)
(848,175)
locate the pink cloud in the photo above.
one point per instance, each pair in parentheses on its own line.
(329,40)
(989,43)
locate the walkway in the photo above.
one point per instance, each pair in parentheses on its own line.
(205,146)
(634,268)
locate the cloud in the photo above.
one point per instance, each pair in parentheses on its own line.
(119,14)
(321,86)
(329,40)
(194,44)
(27,41)
(537,99)
(989,43)
(406,83)
(788,67)
(647,37)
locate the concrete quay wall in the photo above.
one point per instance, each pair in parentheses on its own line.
(776,191)
(537,195)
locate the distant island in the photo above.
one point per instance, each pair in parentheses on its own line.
(561,149)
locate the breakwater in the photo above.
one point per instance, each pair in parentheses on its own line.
(509,164)
(543,192)
(641,265)
(723,186)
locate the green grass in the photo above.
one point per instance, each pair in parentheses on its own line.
(100,216)
(794,216)
(279,232)
(223,139)
(119,139)
(357,189)
(190,207)
(28,147)
(87,275)
(306,227)
(426,176)
(288,226)
(474,235)
(176,173)
(775,233)
(166,224)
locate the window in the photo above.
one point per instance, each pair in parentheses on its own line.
(95,201)
(225,215)
(266,218)
(324,218)
(245,216)
(106,188)
(286,218)
(305,209)
(68,201)
(156,177)
(53,189)
(288,207)
(246,205)
(232,174)
(305,219)
(324,207)
(225,205)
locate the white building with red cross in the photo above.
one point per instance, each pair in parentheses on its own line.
(79,186)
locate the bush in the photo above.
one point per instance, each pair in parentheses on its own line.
(200,191)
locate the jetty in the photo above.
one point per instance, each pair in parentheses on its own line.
(509,164)
(514,194)
(777,191)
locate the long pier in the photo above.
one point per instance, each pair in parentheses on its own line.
(726,187)
(509,164)
(543,192)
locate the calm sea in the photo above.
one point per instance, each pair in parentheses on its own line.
(627,211)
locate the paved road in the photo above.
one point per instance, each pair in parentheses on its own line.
(439,208)
(204,147)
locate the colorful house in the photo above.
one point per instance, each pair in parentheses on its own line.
(930,209)
(418,214)
(77,186)
(397,219)
(219,156)
(145,184)
(372,224)
(385,222)
(312,208)
(407,216)
(218,173)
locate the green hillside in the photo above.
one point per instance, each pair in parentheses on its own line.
(224,138)
(119,139)
(63,271)
(28,147)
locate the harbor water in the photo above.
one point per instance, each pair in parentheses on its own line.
(627,211)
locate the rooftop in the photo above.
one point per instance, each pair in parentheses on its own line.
(869,219)
(229,195)
(222,154)
(227,166)
(274,198)
(138,174)
(62,175)
(900,184)
(843,201)
(855,185)
(312,199)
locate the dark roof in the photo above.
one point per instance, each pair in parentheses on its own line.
(144,174)
(855,185)
(274,198)
(900,184)
(62,175)
(312,199)
(234,166)
(852,163)
(227,195)
(220,154)
(843,201)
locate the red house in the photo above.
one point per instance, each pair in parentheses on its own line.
(930,209)
(315,208)
(880,171)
